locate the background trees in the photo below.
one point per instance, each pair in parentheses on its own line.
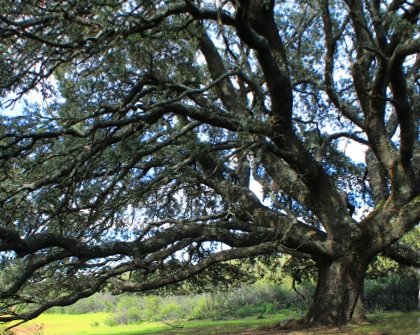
(135,172)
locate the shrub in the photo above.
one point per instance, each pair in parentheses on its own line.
(128,310)
(95,303)
(111,322)
(171,311)
(200,308)
(149,307)
(394,292)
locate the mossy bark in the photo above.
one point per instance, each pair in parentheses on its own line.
(337,299)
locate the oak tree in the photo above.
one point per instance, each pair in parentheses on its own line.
(158,118)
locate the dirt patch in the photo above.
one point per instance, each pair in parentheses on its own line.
(295,328)
(312,331)
(347,330)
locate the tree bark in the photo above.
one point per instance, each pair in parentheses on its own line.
(359,315)
(338,294)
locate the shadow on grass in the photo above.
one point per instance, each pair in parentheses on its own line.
(387,323)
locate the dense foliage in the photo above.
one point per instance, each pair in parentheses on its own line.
(176,136)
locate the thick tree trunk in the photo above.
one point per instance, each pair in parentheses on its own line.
(338,295)
(359,315)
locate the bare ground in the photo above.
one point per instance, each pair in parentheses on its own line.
(348,330)
(313,331)
(281,329)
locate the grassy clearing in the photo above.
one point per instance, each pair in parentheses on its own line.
(84,324)
(394,323)
(389,323)
(210,327)
(94,324)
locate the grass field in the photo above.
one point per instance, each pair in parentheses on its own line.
(83,324)
(93,324)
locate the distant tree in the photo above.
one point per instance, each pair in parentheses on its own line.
(135,172)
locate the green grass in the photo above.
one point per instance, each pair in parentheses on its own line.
(393,323)
(84,324)
(231,326)
(390,323)
(94,324)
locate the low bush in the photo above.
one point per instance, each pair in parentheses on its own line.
(172,311)
(200,308)
(101,302)
(394,292)
(128,311)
